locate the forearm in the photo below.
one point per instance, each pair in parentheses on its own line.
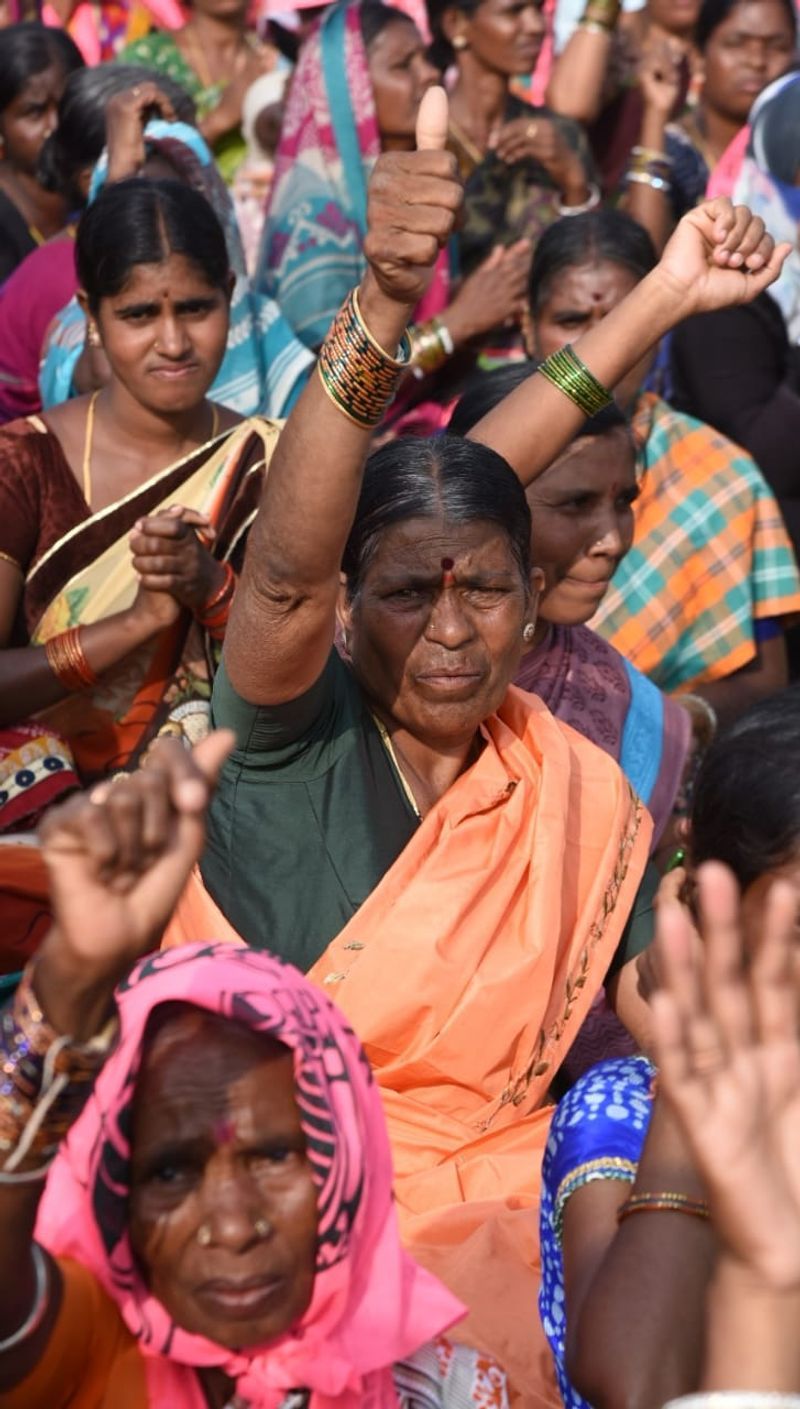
(752,1340)
(28,684)
(764,676)
(533,425)
(290,577)
(576,85)
(654,1274)
(648,205)
(77,1004)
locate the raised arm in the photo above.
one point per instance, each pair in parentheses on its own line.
(117,860)
(282,623)
(718,256)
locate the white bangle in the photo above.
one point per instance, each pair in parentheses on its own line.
(34,1320)
(592,203)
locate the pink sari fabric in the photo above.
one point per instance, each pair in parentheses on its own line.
(372,1304)
(31,297)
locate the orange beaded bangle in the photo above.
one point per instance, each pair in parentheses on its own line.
(67,661)
(662,1203)
(213,615)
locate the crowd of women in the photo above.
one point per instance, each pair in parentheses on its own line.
(399,703)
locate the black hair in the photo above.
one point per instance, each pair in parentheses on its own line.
(80,135)
(441,52)
(713,13)
(374,17)
(485,390)
(30,48)
(448,477)
(139,222)
(746,809)
(587,239)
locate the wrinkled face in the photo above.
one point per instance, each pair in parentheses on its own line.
(31,117)
(577,299)
(751,48)
(400,75)
(218,1150)
(165,333)
(505,36)
(677,17)
(583,523)
(436,646)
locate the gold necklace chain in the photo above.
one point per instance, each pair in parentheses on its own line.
(86,475)
(390,749)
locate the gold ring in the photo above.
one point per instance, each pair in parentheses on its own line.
(530,130)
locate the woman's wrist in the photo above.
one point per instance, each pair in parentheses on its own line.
(384,317)
(76,999)
(752,1340)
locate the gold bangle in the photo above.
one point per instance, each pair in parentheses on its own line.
(358,376)
(565,370)
(667,1202)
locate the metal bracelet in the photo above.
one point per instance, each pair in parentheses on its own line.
(37,1313)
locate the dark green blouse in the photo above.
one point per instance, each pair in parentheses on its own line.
(309,816)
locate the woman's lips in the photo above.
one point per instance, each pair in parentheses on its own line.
(172,374)
(241,1299)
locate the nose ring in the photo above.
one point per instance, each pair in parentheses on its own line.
(261,1227)
(204,1235)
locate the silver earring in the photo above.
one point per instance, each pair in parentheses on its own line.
(528,632)
(93,335)
(261,1227)
(204,1235)
(459,42)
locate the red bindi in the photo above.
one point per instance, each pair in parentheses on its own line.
(448,580)
(224,1132)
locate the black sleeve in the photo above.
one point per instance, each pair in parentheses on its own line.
(731,369)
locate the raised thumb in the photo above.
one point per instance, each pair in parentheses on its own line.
(432,121)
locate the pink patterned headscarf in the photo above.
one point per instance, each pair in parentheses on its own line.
(372,1305)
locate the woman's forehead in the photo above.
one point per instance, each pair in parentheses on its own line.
(432,545)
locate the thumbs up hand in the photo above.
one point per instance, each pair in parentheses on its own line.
(414,198)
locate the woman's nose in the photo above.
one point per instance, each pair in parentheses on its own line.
(608,541)
(233,1212)
(171,337)
(448,622)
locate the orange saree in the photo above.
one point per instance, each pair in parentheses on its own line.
(467,974)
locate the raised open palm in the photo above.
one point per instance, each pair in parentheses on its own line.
(728,1048)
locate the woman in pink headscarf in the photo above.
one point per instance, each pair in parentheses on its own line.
(218,1226)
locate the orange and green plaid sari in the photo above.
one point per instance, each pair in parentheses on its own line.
(711,556)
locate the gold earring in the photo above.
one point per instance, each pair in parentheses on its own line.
(204,1235)
(459,42)
(261,1227)
(93,335)
(528,632)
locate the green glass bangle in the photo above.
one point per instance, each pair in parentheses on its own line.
(571,376)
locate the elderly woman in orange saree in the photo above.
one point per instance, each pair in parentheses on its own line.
(120,519)
(458,869)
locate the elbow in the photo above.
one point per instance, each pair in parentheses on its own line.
(573,103)
(618,1383)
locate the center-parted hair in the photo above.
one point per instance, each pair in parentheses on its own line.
(28,49)
(448,478)
(597,236)
(143,222)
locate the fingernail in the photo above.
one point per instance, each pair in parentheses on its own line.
(191,794)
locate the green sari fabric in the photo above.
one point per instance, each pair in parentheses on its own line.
(158,51)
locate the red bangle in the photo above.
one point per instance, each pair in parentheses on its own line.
(218,598)
(67,661)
